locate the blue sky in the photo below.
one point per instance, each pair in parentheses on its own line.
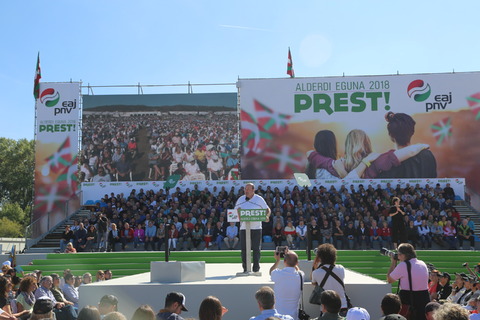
(173,42)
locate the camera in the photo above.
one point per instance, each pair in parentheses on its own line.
(389,253)
(465,265)
(281,251)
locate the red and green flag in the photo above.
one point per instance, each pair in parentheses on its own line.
(38,76)
(62,158)
(234,173)
(254,139)
(442,130)
(68,177)
(284,159)
(269,120)
(474,104)
(290,71)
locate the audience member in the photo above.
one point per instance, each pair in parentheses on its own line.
(450,311)
(26,297)
(231,239)
(357,313)
(108,274)
(43,309)
(430,309)
(69,291)
(89,313)
(144,312)
(114,316)
(174,305)
(265,297)
(390,304)
(57,291)
(211,309)
(61,310)
(331,305)
(108,303)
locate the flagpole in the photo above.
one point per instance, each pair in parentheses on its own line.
(36,91)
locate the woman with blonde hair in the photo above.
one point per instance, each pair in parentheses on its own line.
(361,162)
(100,276)
(357,147)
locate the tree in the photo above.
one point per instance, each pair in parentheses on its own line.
(16,172)
(13,212)
(10,229)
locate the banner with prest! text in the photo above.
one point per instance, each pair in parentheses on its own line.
(56,149)
(343,119)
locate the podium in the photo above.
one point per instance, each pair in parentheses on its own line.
(248,216)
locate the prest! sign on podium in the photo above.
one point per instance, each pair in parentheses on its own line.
(252,214)
(248,216)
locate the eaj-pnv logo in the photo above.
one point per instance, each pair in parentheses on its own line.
(419,90)
(49,97)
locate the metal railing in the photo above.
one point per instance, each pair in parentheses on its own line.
(34,232)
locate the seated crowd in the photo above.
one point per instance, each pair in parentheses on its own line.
(28,296)
(197,147)
(35,296)
(196,219)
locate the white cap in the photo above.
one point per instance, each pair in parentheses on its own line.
(357,313)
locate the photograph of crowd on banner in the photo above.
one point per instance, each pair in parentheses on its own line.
(160,137)
(398,126)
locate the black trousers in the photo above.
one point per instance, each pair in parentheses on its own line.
(256,240)
(420,299)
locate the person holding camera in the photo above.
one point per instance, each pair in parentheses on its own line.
(287,282)
(324,267)
(412,275)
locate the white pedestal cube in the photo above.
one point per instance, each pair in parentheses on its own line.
(177,271)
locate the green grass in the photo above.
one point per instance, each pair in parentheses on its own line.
(368,262)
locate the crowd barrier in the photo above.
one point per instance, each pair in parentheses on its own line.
(93,191)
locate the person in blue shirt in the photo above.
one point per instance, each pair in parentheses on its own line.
(265,297)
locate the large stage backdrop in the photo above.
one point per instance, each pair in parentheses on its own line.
(280,119)
(132,139)
(56,150)
(151,137)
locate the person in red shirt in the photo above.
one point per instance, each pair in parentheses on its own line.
(386,234)
(126,235)
(132,148)
(433,284)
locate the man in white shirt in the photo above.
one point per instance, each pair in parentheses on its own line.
(288,282)
(251,201)
(301,230)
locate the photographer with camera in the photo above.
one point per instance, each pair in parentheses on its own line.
(413,281)
(287,282)
(330,274)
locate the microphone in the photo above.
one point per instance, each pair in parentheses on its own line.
(247,198)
